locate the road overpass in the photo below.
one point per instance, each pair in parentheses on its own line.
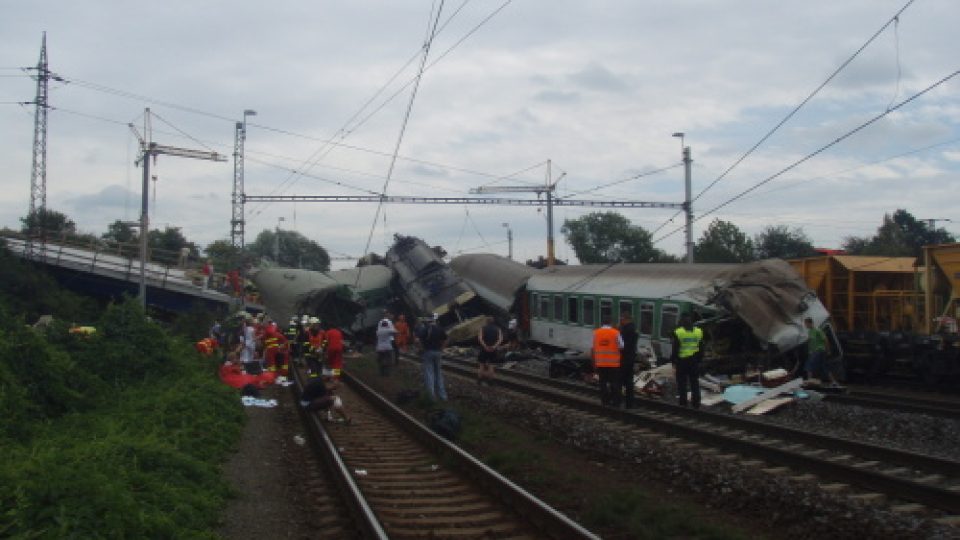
(97,271)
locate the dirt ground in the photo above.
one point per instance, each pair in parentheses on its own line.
(265,472)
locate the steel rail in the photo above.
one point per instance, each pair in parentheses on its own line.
(544,517)
(695,425)
(369,525)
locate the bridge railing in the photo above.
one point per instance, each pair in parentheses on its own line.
(90,256)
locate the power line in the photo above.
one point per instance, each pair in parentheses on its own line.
(895,18)
(634,177)
(431,34)
(817,152)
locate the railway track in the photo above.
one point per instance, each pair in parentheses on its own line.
(899,401)
(402,481)
(905,481)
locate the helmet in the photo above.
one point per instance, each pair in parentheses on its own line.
(314,320)
(305,319)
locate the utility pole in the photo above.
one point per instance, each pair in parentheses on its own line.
(688,202)
(149,149)
(237,219)
(38,173)
(549,187)
(509,241)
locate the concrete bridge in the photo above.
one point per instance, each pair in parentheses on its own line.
(99,272)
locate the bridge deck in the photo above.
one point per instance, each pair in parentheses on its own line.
(105,265)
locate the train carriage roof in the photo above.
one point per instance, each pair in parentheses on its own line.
(681,282)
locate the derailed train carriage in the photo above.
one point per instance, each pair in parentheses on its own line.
(751,313)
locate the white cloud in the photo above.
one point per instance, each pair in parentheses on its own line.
(596,91)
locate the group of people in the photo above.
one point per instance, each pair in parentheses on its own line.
(394,336)
(614,353)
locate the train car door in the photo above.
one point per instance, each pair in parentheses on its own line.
(669,315)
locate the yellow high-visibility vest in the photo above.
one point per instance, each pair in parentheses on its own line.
(689,341)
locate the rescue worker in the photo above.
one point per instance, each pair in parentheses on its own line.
(607,344)
(315,341)
(273,342)
(686,355)
(291,334)
(334,352)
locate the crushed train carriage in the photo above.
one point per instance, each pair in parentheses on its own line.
(752,313)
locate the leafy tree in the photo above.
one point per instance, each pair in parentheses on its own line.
(49,221)
(121,233)
(900,235)
(294,250)
(165,245)
(723,242)
(602,237)
(779,241)
(223,255)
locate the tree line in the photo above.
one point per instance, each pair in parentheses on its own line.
(605,237)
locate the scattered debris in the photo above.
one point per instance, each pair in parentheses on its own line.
(769,394)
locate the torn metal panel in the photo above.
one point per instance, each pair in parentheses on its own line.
(496,279)
(771,298)
(428,285)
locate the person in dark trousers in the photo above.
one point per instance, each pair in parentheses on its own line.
(317,397)
(490,337)
(607,344)
(686,355)
(628,331)
(433,339)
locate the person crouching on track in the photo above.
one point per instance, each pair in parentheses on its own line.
(317,397)
(686,355)
(385,352)
(607,344)
(490,337)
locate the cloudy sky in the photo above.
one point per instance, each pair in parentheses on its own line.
(595,88)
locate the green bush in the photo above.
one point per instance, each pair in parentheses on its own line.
(116,435)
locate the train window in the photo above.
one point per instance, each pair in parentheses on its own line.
(606,311)
(534,297)
(645,324)
(558,308)
(626,309)
(544,307)
(669,313)
(588,316)
(573,313)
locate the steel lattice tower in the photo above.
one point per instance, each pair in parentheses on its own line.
(38,176)
(237,221)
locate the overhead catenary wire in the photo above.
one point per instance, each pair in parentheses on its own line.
(624,180)
(346,129)
(431,34)
(816,152)
(892,20)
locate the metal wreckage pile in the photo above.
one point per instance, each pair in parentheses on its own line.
(752,314)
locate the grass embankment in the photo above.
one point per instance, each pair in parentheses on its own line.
(610,500)
(115,435)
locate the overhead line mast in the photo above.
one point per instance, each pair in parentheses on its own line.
(38,173)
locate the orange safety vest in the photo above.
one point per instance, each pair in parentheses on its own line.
(606,348)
